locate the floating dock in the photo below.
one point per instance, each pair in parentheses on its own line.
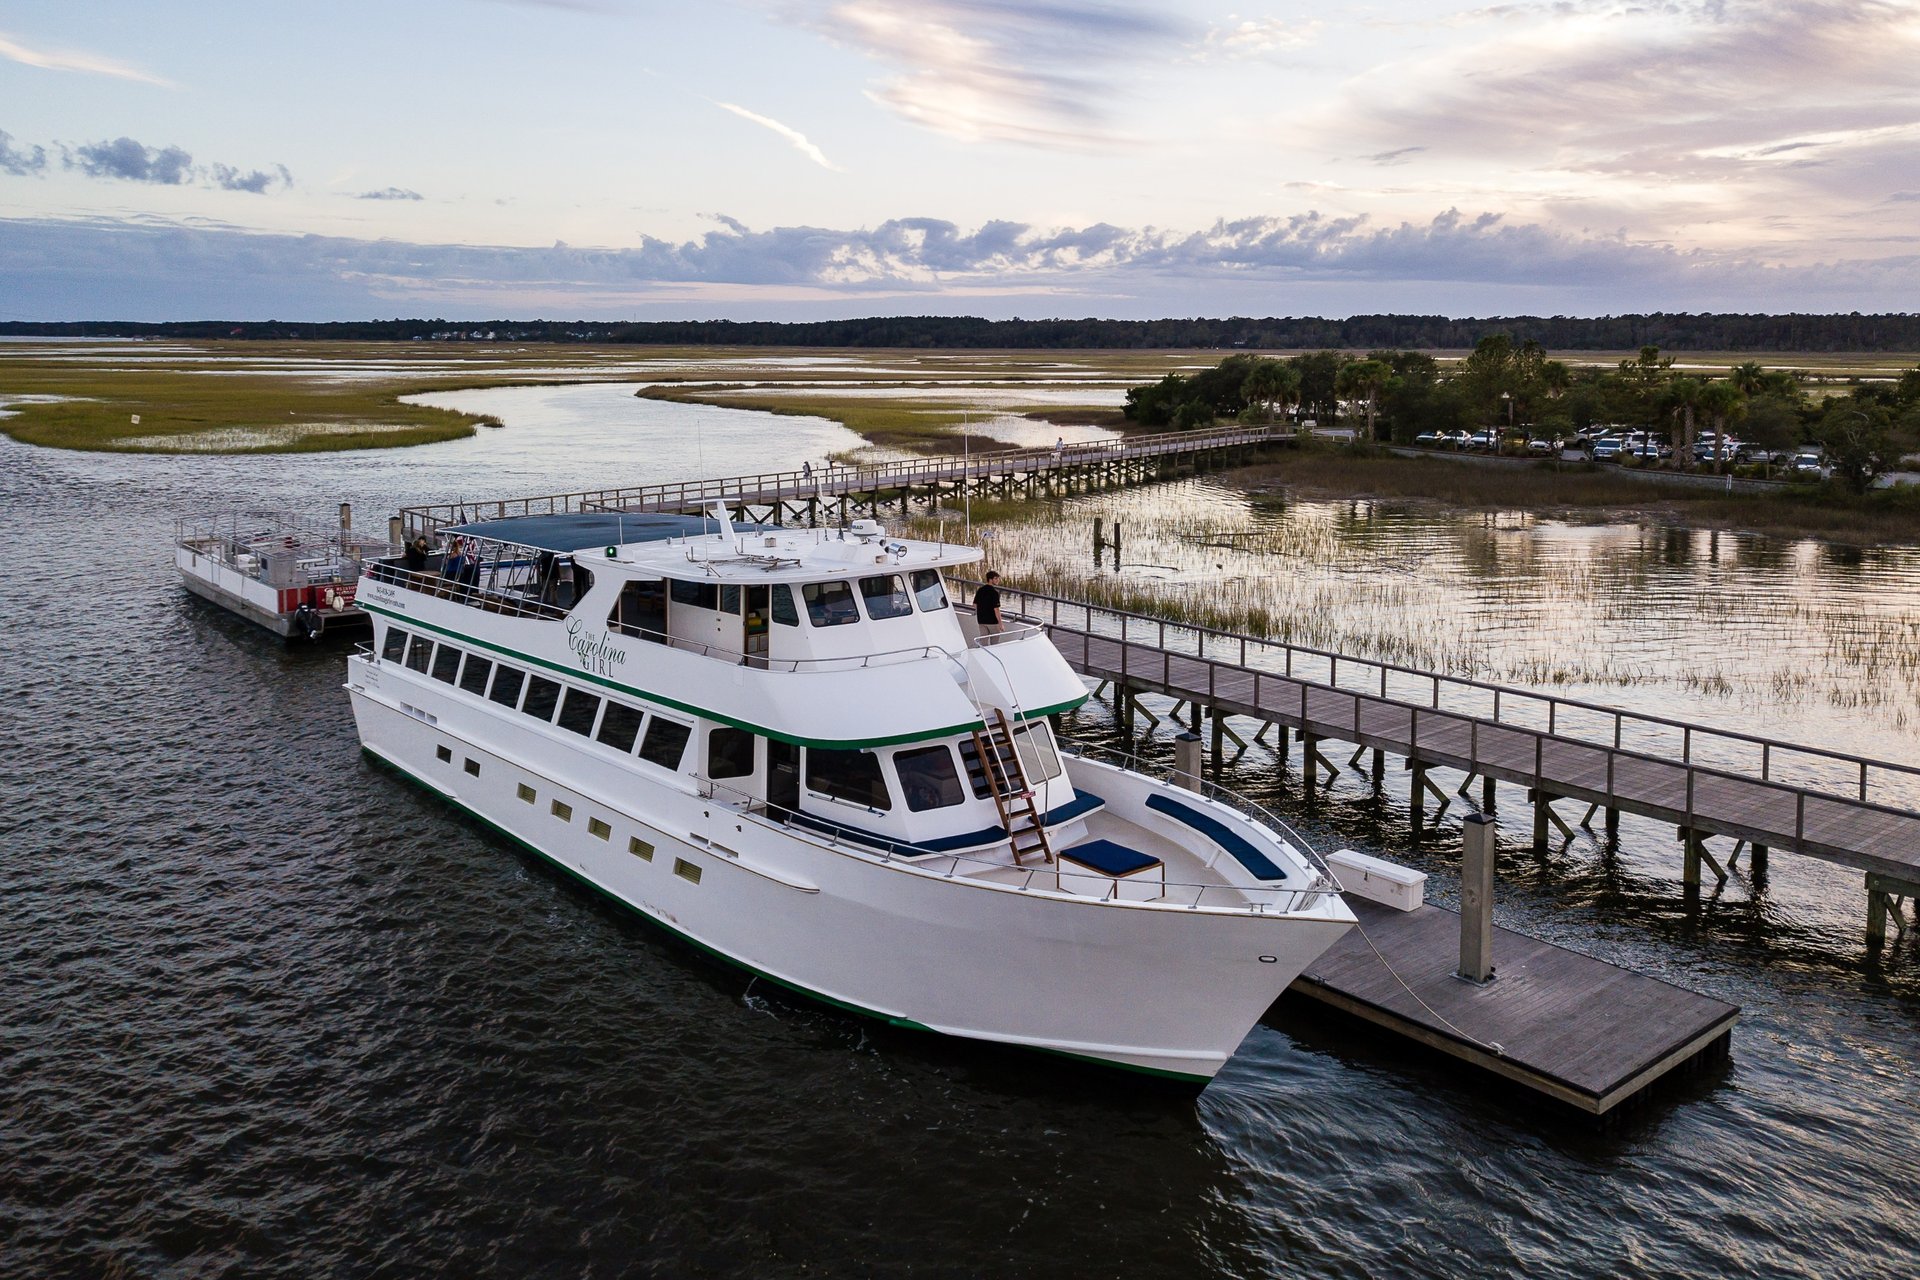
(1575,1029)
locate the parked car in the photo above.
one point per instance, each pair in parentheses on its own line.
(1809,463)
(1433,440)
(1544,444)
(1488,440)
(1607,448)
(1749,453)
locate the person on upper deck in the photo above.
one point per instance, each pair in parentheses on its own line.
(414,555)
(986,606)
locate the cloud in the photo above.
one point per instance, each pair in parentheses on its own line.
(792,135)
(127,159)
(1397,156)
(1001,70)
(73,60)
(130,161)
(1306,263)
(255,181)
(20,163)
(390,193)
(1256,38)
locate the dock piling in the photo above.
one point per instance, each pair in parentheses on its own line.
(1476,898)
(1186,760)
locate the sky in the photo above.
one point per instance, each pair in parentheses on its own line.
(815,159)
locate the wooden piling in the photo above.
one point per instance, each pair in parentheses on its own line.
(1476,898)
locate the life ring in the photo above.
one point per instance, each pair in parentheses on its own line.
(310,621)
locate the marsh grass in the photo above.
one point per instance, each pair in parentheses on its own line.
(1877,518)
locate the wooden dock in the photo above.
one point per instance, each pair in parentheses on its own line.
(1763,794)
(1579,1030)
(829,493)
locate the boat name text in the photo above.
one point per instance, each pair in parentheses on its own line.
(595,652)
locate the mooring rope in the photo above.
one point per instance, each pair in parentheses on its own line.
(1488,1045)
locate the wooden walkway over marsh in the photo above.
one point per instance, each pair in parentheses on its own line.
(831,492)
(1761,793)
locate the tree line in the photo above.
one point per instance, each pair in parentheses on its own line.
(1685,331)
(1512,387)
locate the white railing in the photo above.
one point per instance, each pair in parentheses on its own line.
(893,851)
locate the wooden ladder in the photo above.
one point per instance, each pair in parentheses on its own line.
(998,761)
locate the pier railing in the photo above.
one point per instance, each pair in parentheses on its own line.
(1747,757)
(833,480)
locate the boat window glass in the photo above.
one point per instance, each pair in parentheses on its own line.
(446,663)
(473,676)
(848,775)
(543,695)
(730,598)
(640,609)
(783,611)
(729,753)
(418,653)
(506,685)
(829,604)
(928,778)
(621,725)
(394,645)
(577,713)
(970,761)
(582,581)
(1037,756)
(699,595)
(929,590)
(886,596)
(665,743)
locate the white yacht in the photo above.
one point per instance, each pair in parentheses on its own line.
(789,747)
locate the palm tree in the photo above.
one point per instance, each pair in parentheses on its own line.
(1271,382)
(1363,380)
(1682,399)
(1748,377)
(1722,402)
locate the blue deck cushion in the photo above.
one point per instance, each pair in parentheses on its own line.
(1220,833)
(1083,803)
(1109,858)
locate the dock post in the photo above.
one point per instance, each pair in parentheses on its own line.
(1417,798)
(1757,865)
(395,533)
(1876,915)
(1690,867)
(1219,743)
(1542,810)
(1486,794)
(1379,768)
(346,517)
(1613,823)
(1186,761)
(1476,898)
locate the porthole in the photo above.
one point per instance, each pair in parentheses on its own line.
(596,827)
(640,848)
(686,871)
(561,810)
(473,767)
(526,793)
(443,754)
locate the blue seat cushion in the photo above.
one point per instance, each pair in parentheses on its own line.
(1220,833)
(1109,858)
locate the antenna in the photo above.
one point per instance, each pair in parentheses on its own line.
(966,470)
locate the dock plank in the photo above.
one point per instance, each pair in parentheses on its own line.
(1568,1025)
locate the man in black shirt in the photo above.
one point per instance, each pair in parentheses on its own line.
(986,607)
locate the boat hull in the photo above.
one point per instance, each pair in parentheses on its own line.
(1150,987)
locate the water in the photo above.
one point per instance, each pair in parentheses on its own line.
(268,1011)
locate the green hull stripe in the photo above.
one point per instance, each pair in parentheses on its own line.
(574,673)
(907,1023)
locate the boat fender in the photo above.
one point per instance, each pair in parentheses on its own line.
(308,619)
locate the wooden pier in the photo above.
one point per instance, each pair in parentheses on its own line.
(828,494)
(1575,1029)
(1762,794)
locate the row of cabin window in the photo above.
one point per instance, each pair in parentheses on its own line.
(828,604)
(928,776)
(606,720)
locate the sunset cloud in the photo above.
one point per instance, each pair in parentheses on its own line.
(793,136)
(75,60)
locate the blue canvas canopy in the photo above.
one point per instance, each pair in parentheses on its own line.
(575,531)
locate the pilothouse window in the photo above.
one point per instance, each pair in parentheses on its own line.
(829,604)
(543,696)
(395,645)
(886,596)
(929,590)
(853,776)
(729,753)
(783,611)
(928,778)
